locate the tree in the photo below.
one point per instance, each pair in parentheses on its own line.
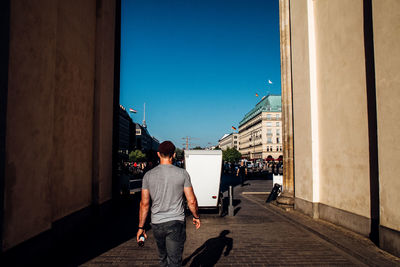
(137,155)
(197,148)
(179,154)
(217,148)
(231,155)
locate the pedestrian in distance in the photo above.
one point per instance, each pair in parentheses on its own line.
(242,172)
(165,186)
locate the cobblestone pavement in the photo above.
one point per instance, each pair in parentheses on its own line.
(259,234)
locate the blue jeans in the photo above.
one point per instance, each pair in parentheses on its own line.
(170,237)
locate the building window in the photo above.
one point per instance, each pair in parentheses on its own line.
(278,116)
(278,132)
(278,124)
(269,124)
(277,140)
(269,140)
(277,148)
(268,116)
(235,137)
(235,142)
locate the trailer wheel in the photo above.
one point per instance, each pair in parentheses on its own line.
(221,206)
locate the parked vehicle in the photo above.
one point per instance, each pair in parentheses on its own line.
(204,168)
(249,165)
(280,168)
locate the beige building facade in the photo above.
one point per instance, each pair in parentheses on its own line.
(229,141)
(260,131)
(340,89)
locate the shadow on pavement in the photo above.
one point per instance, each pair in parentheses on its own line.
(210,252)
(65,246)
(88,236)
(228,179)
(235,202)
(236,210)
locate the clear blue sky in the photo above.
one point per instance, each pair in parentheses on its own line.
(197,64)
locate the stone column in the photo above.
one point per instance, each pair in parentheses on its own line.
(287,111)
(103,102)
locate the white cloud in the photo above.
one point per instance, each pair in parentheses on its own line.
(269,81)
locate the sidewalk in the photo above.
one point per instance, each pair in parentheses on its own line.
(258,235)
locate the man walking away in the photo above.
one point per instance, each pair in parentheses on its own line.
(242,172)
(165,186)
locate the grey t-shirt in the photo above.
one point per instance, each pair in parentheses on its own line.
(165,184)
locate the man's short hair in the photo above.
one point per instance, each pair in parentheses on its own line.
(167,149)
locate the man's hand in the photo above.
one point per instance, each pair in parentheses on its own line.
(139,233)
(196,222)
(192,203)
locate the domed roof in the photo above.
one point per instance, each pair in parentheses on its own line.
(270,103)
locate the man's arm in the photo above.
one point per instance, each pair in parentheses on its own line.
(144,210)
(229,246)
(192,203)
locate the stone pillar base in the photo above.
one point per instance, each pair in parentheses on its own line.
(285,201)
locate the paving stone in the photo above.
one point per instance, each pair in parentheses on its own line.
(261,235)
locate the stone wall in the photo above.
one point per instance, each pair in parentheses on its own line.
(59,113)
(332,119)
(301,101)
(386,16)
(342,106)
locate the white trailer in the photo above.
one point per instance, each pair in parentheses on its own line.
(204,168)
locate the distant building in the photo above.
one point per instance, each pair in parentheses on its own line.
(260,131)
(133,136)
(144,141)
(155,143)
(229,141)
(126,130)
